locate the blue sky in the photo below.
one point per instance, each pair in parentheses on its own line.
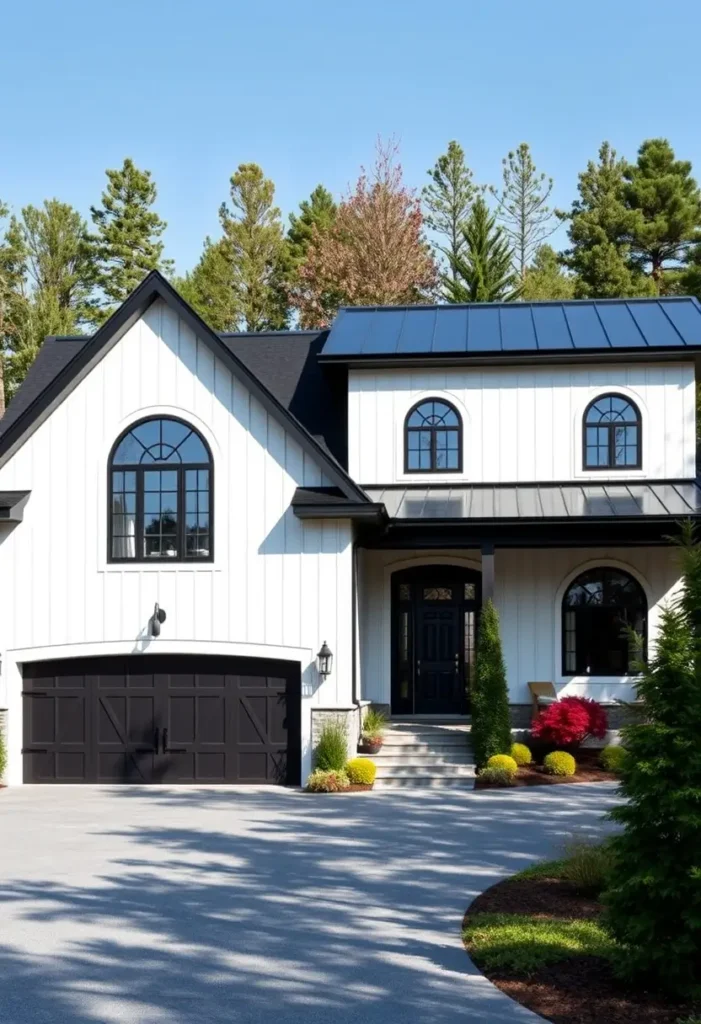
(303,87)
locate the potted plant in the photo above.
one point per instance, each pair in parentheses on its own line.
(372,732)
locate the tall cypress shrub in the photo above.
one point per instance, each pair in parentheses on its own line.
(491,725)
(654,901)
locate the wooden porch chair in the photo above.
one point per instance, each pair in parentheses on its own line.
(538,690)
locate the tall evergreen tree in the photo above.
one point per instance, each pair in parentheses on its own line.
(58,263)
(665,210)
(448,199)
(253,244)
(491,723)
(599,229)
(545,279)
(654,901)
(522,206)
(209,288)
(319,211)
(127,244)
(484,272)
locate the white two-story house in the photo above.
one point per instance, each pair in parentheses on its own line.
(186,518)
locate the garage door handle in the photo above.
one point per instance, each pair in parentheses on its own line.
(171,750)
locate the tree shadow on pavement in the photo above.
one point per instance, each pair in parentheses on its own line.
(223,906)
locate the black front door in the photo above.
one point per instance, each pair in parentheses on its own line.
(434,613)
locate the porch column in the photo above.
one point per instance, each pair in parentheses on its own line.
(487,571)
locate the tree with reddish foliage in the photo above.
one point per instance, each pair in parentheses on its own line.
(570,721)
(373,253)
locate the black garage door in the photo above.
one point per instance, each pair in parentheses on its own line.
(162,718)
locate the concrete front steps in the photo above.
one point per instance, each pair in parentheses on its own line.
(425,753)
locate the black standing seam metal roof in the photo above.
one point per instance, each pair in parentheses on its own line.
(665,499)
(481,329)
(41,387)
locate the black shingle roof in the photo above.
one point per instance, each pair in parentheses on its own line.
(286,363)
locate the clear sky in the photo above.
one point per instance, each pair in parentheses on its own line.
(191,88)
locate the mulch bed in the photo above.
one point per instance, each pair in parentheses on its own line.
(588,770)
(581,989)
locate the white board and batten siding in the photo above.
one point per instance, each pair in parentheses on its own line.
(521,425)
(528,595)
(277,587)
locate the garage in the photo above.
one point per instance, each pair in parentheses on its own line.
(172,719)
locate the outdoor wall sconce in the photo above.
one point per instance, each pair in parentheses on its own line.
(324,661)
(157,618)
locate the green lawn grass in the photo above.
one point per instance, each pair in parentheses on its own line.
(520,943)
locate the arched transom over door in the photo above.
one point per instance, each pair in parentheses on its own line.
(435,611)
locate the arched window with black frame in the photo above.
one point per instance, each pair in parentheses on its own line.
(612,434)
(433,438)
(160,494)
(599,609)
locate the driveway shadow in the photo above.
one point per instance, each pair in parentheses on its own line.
(222,906)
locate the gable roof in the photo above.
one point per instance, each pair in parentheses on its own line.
(67,361)
(510,331)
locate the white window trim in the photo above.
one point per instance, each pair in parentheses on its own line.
(440,394)
(220,469)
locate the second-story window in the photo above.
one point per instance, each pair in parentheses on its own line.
(612,434)
(160,494)
(433,438)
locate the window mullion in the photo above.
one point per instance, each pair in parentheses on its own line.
(181,509)
(139,554)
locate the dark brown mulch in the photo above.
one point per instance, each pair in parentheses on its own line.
(541,897)
(588,770)
(581,989)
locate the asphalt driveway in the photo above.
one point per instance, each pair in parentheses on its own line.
(215,906)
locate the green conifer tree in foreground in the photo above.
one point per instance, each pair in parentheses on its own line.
(654,901)
(491,725)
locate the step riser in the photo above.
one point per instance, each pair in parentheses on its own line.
(438,771)
(466,784)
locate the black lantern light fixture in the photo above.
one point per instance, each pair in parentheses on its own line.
(324,661)
(158,617)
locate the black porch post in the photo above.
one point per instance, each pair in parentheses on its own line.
(487,571)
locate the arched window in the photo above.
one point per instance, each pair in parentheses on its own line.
(433,438)
(597,610)
(160,490)
(612,434)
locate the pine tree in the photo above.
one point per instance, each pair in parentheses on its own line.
(545,279)
(318,211)
(253,244)
(491,725)
(448,200)
(522,206)
(58,263)
(209,288)
(599,228)
(127,244)
(654,902)
(484,272)
(665,205)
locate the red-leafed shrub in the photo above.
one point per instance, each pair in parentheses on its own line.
(568,722)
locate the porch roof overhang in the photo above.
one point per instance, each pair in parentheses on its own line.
(565,514)
(12,505)
(331,503)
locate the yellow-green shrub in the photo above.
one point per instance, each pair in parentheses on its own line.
(323,781)
(612,758)
(497,776)
(521,754)
(560,763)
(503,761)
(361,771)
